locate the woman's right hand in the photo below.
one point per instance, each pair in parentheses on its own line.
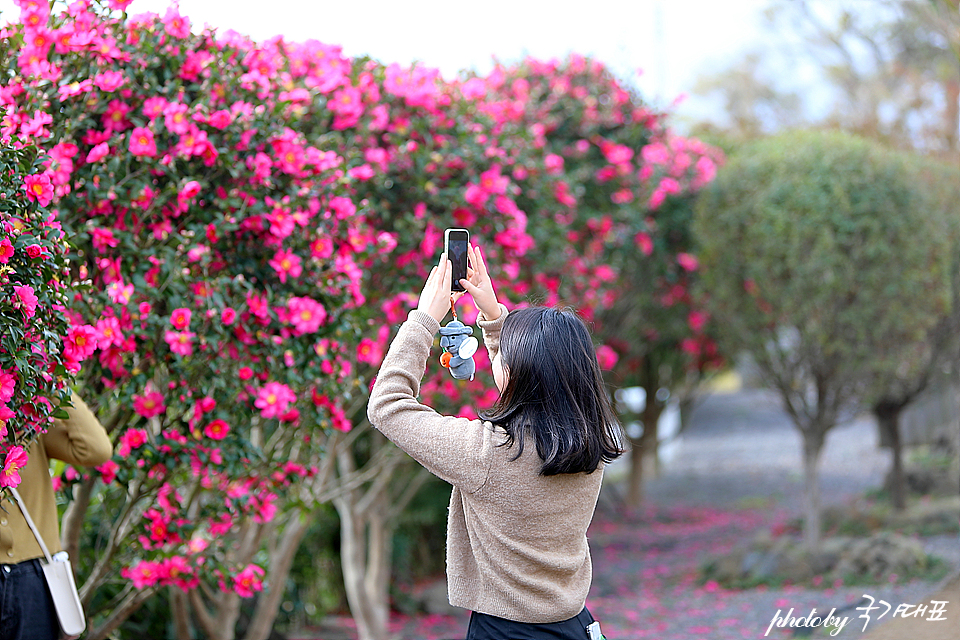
(479,285)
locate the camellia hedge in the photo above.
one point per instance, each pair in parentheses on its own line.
(252,219)
(39,350)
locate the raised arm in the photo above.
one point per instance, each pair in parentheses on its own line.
(454,449)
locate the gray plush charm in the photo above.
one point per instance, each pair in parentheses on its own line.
(459,345)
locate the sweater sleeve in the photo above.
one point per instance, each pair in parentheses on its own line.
(491,332)
(80,439)
(454,449)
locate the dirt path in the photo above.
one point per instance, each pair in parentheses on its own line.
(925,629)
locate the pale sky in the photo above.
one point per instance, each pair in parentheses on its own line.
(672,41)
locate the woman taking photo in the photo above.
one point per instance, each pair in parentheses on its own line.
(526,476)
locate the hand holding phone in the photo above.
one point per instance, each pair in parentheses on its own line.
(480,286)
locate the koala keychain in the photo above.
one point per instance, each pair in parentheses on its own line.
(458,345)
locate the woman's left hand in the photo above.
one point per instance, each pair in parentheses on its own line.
(435,297)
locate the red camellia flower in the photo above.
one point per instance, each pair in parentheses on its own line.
(149,404)
(217,430)
(180,318)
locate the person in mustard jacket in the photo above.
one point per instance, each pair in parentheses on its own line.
(26,609)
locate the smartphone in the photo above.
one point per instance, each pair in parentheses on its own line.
(455,242)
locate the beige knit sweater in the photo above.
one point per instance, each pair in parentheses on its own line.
(516,541)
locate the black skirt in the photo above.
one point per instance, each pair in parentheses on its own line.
(487,627)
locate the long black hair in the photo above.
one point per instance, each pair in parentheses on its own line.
(555,392)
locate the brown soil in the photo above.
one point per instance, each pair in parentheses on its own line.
(922,629)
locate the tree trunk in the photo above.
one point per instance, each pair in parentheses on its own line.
(812,446)
(219,621)
(359,575)
(888,420)
(643,447)
(952,113)
(278,568)
(72,524)
(635,480)
(180,612)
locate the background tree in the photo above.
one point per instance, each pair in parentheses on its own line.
(910,369)
(836,259)
(886,69)
(611,222)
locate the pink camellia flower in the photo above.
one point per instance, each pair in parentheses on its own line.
(103,238)
(180,318)
(697,320)
(154,106)
(176,25)
(132,439)
(39,189)
(217,430)
(180,342)
(179,571)
(473,89)
(175,117)
(145,574)
(665,188)
(228,316)
(248,581)
(553,163)
(5,414)
(109,81)
(306,315)
(98,153)
(369,351)
(273,399)
(8,383)
(26,300)
(286,264)
(687,261)
(475,195)
(197,545)
(220,119)
(109,332)
(189,190)
(493,182)
(80,343)
(142,143)
(264,507)
(108,471)
(321,248)
(16,459)
(362,173)
(119,292)
(149,404)
(645,242)
(606,357)
(6,250)
(690,346)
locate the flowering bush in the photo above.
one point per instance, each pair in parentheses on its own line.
(39,351)
(251,219)
(222,251)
